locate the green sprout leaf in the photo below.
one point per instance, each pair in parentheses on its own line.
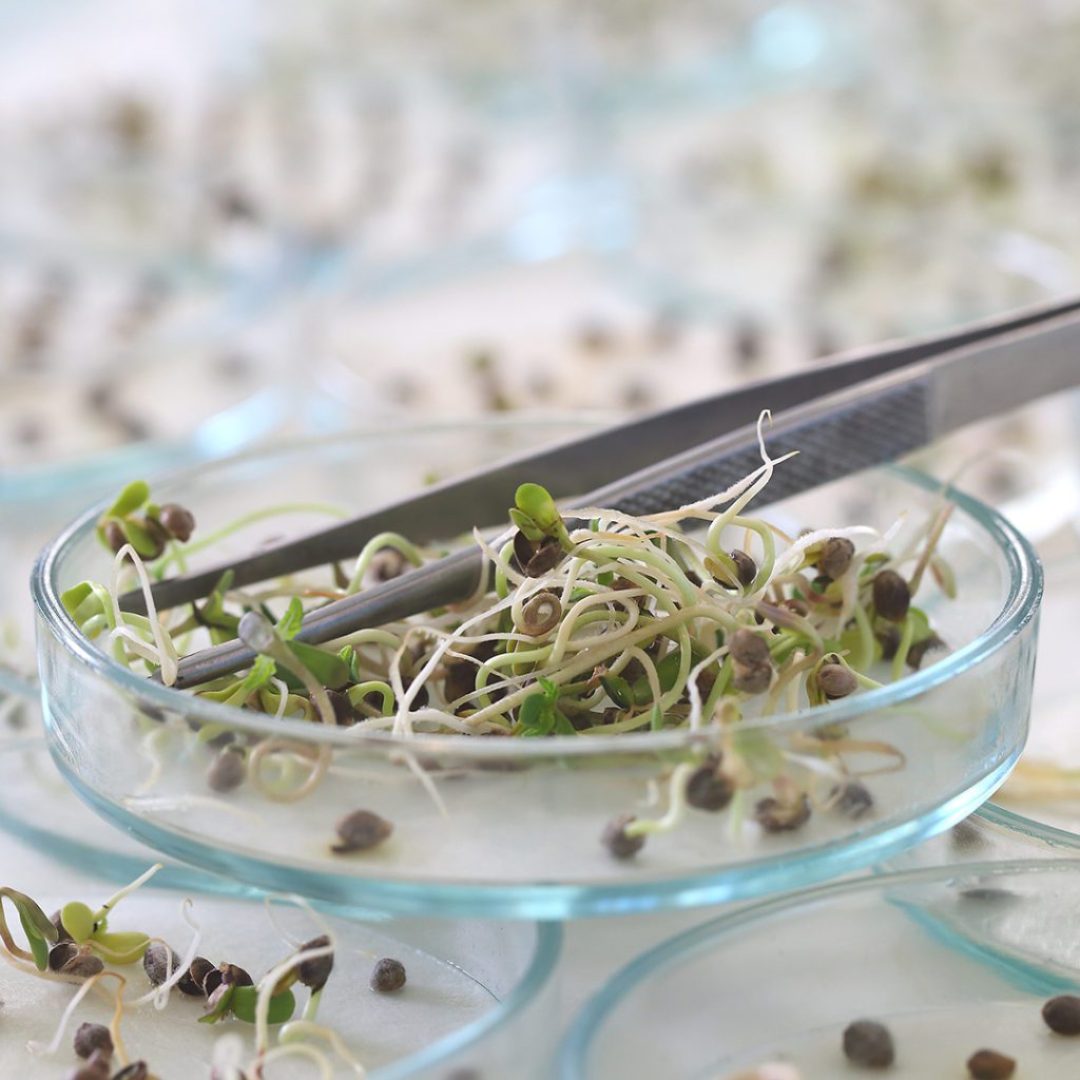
(121,947)
(78,921)
(245,999)
(536,717)
(526,524)
(536,503)
(130,499)
(619,690)
(329,669)
(37,926)
(140,539)
(221,1009)
(289,624)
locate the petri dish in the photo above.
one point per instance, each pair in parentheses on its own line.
(960,724)
(959,959)
(478,996)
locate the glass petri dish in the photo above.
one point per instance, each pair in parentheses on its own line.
(950,959)
(478,996)
(960,724)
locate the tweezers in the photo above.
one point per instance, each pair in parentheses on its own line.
(860,409)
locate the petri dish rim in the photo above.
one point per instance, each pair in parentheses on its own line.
(1020,607)
(572,1056)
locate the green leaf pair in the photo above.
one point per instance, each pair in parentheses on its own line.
(38,928)
(540,715)
(87,928)
(242,1002)
(534,512)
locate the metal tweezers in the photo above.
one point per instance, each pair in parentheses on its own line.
(861,409)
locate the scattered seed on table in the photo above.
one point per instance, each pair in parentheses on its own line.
(990,1065)
(91,1037)
(1062,1014)
(360,831)
(616,840)
(388,975)
(869,1044)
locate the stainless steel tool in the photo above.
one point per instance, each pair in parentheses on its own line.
(862,409)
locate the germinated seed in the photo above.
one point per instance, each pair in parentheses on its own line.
(775,815)
(228,770)
(313,973)
(745,567)
(192,982)
(91,1037)
(388,976)
(836,681)
(1062,1014)
(990,1065)
(114,535)
(708,788)
(159,962)
(869,1044)
(178,521)
(360,831)
(616,840)
(751,678)
(892,597)
(835,558)
(748,648)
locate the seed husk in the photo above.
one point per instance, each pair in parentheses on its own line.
(836,681)
(708,788)
(81,962)
(178,521)
(745,567)
(387,565)
(835,558)
(61,930)
(892,597)
(776,815)
(225,975)
(192,982)
(91,1037)
(990,1065)
(228,769)
(114,535)
(360,831)
(388,975)
(748,648)
(1062,1014)
(314,973)
(536,559)
(542,613)
(97,1068)
(61,953)
(869,1044)
(852,799)
(137,1070)
(917,653)
(616,840)
(159,961)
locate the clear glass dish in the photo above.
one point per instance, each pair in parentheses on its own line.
(522,835)
(478,995)
(951,960)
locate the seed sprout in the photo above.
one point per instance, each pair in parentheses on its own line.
(588,623)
